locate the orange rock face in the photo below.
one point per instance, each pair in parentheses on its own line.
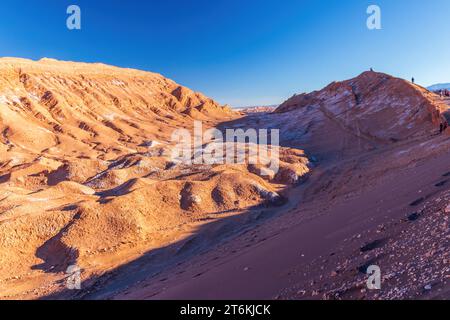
(370,110)
(86,175)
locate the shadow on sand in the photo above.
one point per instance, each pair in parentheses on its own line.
(154,262)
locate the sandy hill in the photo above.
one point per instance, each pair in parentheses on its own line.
(78,105)
(359,114)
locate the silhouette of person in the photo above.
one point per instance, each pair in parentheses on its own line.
(412,80)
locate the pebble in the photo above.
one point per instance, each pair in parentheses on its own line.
(447,210)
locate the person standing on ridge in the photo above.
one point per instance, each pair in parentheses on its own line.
(412,80)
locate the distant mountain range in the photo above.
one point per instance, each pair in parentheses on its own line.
(440,86)
(258,109)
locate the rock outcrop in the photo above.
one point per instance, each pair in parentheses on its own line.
(359,114)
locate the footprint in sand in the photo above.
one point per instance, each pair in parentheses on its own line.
(441,184)
(363,268)
(417,202)
(373,245)
(413,216)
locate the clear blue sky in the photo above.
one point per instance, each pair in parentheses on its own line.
(242,52)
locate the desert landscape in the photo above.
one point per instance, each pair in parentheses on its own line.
(87,179)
